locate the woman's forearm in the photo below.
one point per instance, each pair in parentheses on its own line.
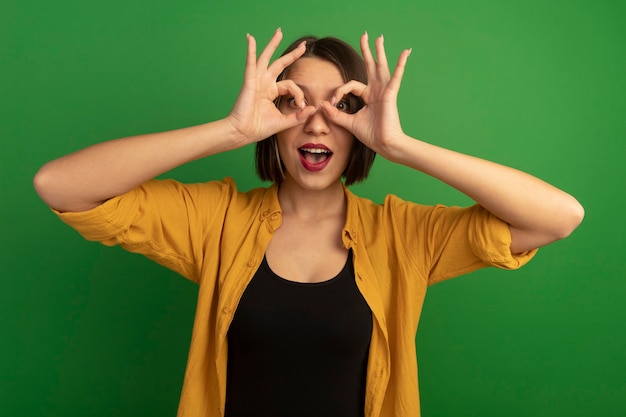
(86,178)
(537,212)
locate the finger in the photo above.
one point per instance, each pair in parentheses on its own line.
(351,87)
(297,118)
(370,65)
(288,87)
(382,67)
(270,48)
(250,69)
(306,112)
(284,61)
(339,118)
(398,73)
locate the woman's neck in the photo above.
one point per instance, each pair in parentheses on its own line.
(311,204)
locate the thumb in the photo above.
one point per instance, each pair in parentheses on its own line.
(340,118)
(298,117)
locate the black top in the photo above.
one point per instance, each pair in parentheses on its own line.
(298,349)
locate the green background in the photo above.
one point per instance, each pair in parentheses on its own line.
(538,85)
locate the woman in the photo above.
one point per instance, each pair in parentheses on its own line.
(309,297)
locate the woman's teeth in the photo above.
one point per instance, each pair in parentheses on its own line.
(315,155)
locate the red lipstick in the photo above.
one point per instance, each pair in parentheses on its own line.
(314,156)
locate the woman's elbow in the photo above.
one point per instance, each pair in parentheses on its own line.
(53,188)
(44,184)
(571,215)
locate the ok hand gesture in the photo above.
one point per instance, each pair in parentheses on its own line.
(254,115)
(377,124)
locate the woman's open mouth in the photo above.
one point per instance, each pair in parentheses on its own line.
(314,157)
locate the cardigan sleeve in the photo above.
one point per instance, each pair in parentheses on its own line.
(165,220)
(446,242)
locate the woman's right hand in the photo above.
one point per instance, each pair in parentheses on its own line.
(84,179)
(255,116)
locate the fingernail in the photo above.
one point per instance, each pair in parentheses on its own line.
(410,51)
(333,100)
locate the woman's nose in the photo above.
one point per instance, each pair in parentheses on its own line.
(317,124)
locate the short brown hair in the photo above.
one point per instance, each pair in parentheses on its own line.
(351,65)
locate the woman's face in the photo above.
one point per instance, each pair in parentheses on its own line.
(317,152)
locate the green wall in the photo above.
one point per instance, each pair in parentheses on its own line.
(535,84)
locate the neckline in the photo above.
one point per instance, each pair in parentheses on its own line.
(329,281)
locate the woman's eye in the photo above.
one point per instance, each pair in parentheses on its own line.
(343,106)
(291,101)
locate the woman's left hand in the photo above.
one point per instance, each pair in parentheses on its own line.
(377,124)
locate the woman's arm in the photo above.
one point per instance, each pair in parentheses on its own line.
(537,212)
(86,178)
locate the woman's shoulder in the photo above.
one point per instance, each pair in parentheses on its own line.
(387,202)
(226,186)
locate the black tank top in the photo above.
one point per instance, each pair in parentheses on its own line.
(297,349)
